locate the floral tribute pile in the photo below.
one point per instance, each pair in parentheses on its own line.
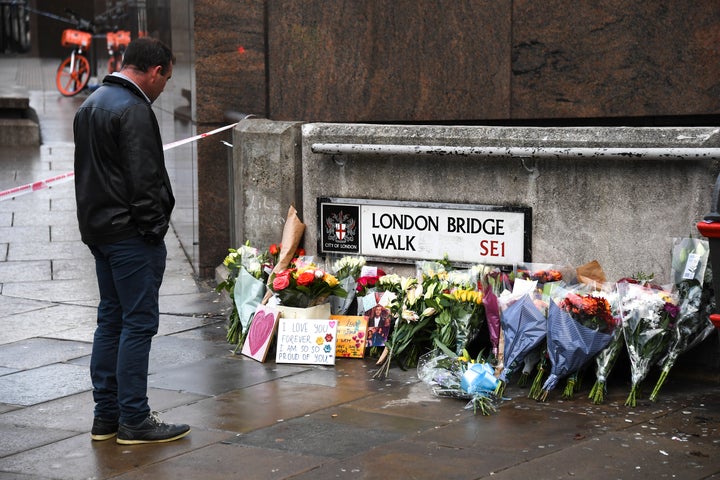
(471,331)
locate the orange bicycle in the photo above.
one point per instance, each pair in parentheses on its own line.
(74,72)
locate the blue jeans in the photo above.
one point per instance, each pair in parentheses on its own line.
(129,275)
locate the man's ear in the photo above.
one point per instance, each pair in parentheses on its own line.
(157,71)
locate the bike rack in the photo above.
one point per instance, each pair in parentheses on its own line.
(710,227)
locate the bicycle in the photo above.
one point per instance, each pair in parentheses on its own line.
(74,71)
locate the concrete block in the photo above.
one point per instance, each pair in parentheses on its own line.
(19,132)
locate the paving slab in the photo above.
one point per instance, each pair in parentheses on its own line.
(36,352)
(30,387)
(58,291)
(78,457)
(228,461)
(26,271)
(64,233)
(75,412)
(37,250)
(18,438)
(217,375)
(45,320)
(12,306)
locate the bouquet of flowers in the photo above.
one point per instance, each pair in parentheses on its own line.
(689,269)
(247,271)
(457,305)
(413,320)
(579,326)
(543,273)
(366,287)
(305,286)
(546,277)
(604,363)
(347,271)
(289,248)
(459,377)
(648,315)
(524,328)
(492,282)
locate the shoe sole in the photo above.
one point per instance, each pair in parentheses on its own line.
(106,436)
(123,441)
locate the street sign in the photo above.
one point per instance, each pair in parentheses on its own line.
(409,231)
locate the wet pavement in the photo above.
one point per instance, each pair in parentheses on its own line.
(265,420)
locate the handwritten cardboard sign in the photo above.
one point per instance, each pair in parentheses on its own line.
(310,341)
(350,336)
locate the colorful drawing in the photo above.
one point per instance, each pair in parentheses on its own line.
(260,333)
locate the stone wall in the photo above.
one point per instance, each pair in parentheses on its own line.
(463,62)
(621,212)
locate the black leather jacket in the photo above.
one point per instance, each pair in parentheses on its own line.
(122,187)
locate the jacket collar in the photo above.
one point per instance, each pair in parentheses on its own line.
(120,79)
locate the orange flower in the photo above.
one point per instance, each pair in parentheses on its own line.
(306,278)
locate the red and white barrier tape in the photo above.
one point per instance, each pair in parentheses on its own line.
(66,177)
(39,185)
(168,146)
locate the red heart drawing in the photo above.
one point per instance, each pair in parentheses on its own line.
(260,330)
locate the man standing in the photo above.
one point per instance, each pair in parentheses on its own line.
(124,200)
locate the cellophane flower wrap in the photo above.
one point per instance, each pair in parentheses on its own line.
(347,270)
(524,327)
(413,321)
(366,287)
(493,281)
(305,286)
(546,276)
(605,359)
(453,298)
(248,269)
(579,325)
(690,273)
(288,250)
(648,316)
(460,377)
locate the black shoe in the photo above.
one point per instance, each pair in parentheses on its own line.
(150,430)
(103,429)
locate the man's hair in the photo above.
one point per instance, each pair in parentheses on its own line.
(145,52)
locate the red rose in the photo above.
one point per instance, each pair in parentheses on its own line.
(306,278)
(273,249)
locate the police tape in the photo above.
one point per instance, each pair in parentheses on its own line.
(66,177)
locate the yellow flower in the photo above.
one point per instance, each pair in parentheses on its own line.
(319,340)
(330,279)
(230,259)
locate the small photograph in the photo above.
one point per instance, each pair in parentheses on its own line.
(378,326)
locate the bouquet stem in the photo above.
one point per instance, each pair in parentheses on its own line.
(543,396)
(500,389)
(484,404)
(570,387)
(234,328)
(384,362)
(659,384)
(536,387)
(597,392)
(632,398)
(523,380)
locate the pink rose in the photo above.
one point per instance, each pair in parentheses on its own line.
(281,282)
